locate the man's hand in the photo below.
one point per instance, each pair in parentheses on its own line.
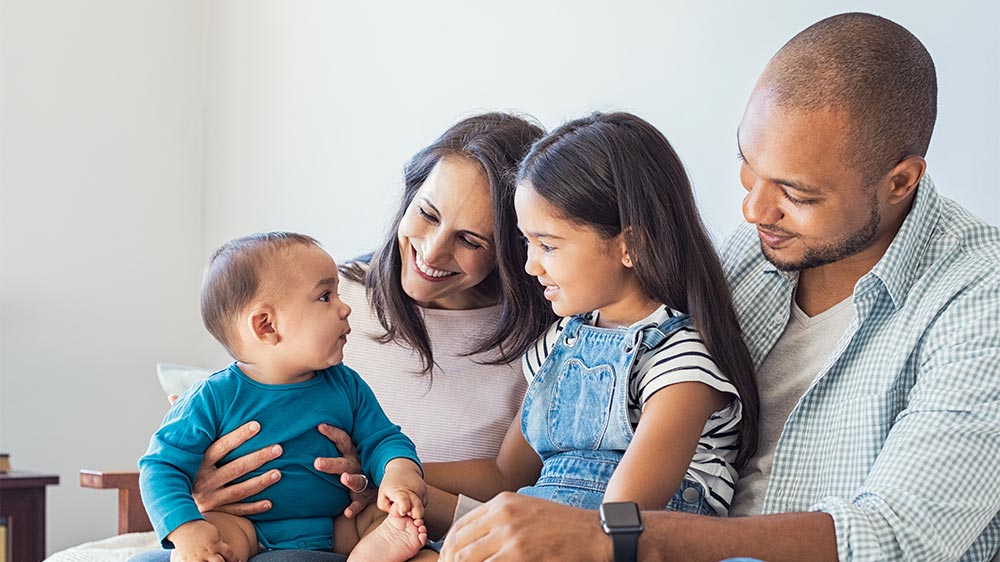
(348,466)
(210,490)
(513,527)
(199,541)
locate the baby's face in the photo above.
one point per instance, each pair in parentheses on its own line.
(310,319)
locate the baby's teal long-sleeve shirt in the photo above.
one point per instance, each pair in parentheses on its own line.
(304,500)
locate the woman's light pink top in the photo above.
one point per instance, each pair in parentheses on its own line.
(466,410)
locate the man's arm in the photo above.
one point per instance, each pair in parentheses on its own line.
(933,488)
(508,528)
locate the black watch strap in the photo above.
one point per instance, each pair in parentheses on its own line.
(622,521)
(625,546)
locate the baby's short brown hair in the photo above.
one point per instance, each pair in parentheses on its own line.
(233,280)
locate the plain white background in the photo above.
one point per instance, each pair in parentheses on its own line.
(136,136)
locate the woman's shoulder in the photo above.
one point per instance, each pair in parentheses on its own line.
(355,270)
(352,282)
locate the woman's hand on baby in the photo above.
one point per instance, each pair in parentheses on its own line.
(210,490)
(403,490)
(348,466)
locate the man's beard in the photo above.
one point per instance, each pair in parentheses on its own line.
(833,251)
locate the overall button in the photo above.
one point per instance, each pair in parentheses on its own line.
(690,495)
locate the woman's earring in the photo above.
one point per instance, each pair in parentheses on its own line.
(628,261)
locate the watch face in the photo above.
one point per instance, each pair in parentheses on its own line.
(621,515)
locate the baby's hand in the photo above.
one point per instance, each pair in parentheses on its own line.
(403,489)
(199,541)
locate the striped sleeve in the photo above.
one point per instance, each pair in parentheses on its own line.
(682,357)
(536,355)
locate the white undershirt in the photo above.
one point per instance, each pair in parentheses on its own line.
(796,359)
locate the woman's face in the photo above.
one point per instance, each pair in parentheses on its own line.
(446,238)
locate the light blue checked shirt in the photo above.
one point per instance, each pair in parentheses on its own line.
(898,437)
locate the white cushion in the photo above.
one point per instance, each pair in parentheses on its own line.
(115,549)
(175,379)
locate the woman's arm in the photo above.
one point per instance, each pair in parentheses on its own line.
(665,440)
(516,465)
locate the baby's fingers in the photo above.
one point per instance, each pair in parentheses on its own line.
(416,506)
(402,505)
(384,502)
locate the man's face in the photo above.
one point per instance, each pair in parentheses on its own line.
(810,207)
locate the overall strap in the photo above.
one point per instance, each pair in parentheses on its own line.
(651,335)
(572,326)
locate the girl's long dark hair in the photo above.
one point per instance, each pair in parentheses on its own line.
(497,142)
(616,173)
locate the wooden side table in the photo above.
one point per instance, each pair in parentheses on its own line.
(22,506)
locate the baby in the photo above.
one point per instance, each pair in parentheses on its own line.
(271,300)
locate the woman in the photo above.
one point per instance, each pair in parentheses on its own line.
(449,309)
(434,330)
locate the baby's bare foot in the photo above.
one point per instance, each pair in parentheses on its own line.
(398,538)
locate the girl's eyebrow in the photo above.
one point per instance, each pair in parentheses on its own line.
(543,235)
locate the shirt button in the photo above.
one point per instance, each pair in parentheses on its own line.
(778,319)
(690,495)
(301,544)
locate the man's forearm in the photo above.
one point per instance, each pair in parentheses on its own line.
(513,527)
(671,536)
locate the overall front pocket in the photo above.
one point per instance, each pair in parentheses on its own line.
(580,406)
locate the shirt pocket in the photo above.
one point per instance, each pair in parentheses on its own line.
(856,434)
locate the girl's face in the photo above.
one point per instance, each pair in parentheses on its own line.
(580,270)
(446,238)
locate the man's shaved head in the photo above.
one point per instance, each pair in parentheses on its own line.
(872,69)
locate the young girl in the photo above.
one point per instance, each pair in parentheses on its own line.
(644,390)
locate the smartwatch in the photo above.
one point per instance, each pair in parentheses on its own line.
(621,521)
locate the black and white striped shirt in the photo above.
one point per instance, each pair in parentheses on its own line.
(682,357)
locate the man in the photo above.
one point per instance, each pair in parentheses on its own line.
(871,305)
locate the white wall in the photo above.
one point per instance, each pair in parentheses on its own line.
(101,218)
(137,136)
(313,110)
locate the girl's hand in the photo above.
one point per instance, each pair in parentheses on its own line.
(210,491)
(348,466)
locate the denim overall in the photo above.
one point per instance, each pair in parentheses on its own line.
(575,413)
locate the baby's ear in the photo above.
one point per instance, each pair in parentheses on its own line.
(261,322)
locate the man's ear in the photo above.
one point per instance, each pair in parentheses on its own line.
(263,329)
(905,177)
